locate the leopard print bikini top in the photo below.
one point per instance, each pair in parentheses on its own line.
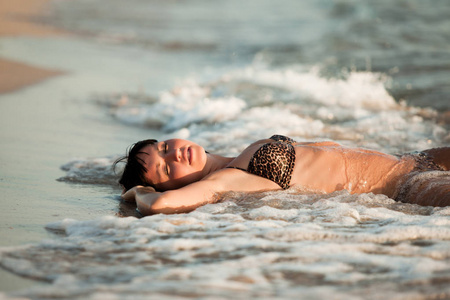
(274,161)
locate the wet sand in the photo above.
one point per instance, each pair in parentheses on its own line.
(16,19)
(43,125)
(49,116)
(15,75)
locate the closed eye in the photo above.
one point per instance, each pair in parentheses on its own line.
(166,149)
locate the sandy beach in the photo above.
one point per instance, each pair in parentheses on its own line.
(16,19)
(49,115)
(46,119)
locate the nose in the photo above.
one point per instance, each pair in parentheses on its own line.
(175,155)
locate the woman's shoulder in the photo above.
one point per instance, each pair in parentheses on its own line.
(234,179)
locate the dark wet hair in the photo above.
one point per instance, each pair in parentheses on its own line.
(134,171)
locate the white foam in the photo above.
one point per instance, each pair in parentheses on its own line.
(359,89)
(91,170)
(242,105)
(226,113)
(263,244)
(259,246)
(272,245)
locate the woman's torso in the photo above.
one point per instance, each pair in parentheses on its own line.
(327,167)
(332,167)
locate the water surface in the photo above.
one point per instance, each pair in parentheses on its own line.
(225,74)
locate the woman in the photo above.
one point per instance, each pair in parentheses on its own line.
(177,175)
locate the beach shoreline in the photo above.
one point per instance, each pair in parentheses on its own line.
(16,19)
(48,117)
(62,216)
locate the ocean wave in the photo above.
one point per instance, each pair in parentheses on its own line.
(244,105)
(270,245)
(227,113)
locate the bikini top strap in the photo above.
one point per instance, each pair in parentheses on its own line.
(232,167)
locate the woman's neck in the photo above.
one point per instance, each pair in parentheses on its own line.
(215,162)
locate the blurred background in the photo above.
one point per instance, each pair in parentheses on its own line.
(82,80)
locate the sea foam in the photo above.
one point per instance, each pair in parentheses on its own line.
(256,248)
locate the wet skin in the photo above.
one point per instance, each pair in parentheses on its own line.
(320,167)
(191,177)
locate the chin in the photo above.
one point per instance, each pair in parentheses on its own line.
(199,156)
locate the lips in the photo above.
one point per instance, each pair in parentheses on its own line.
(186,154)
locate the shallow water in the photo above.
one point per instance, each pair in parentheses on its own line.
(267,245)
(407,40)
(224,75)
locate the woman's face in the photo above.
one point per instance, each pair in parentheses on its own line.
(173,163)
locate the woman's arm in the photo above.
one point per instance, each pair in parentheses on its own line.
(144,196)
(196,194)
(149,201)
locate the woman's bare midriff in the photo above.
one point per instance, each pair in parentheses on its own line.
(334,167)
